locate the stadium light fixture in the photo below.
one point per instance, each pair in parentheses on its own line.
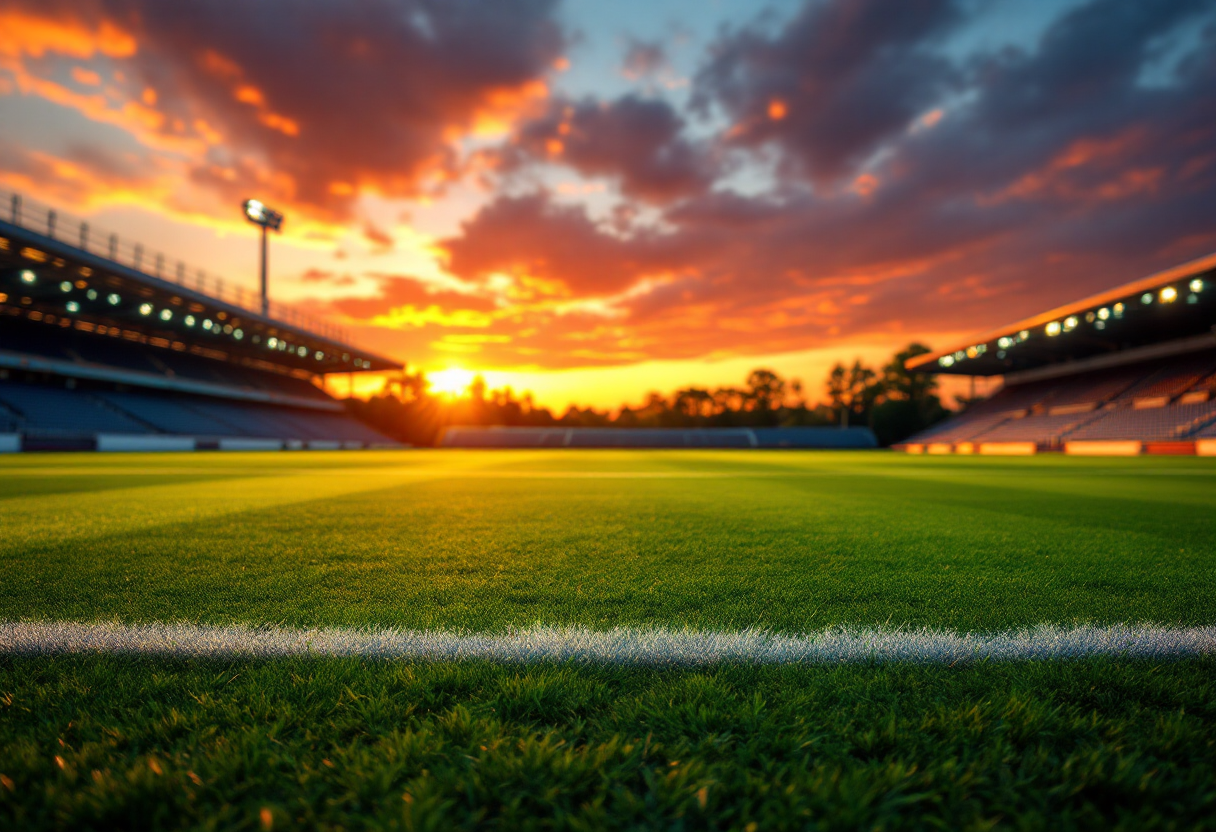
(73,306)
(145,309)
(262,215)
(65,286)
(1118,309)
(1196,285)
(1146,298)
(113,299)
(1169,294)
(28,277)
(1053,328)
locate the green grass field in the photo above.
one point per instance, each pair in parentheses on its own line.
(489,542)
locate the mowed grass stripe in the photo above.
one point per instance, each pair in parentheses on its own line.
(655,646)
(429,543)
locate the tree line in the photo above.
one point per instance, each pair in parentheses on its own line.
(890,400)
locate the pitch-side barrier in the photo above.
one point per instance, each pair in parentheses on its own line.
(1119,447)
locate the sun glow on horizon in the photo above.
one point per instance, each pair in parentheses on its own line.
(453,381)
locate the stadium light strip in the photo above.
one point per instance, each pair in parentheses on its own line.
(651,646)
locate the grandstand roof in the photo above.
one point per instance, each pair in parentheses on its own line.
(1175,304)
(45,277)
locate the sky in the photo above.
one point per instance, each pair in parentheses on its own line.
(592,200)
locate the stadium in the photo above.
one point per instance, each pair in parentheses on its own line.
(1131,370)
(589,628)
(638,487)
(107,345)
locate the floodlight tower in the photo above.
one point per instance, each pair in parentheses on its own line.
(269,219)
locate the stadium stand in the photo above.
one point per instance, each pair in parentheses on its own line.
(94,347)
(1149,424)
(1033,428)
(1130,370)
(523,437)
(49,410)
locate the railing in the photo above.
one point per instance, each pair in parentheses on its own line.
(43,219)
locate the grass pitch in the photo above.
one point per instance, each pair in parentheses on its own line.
(487,542)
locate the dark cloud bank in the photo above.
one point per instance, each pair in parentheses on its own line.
(913,189)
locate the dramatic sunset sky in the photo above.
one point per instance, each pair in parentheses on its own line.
(594,198)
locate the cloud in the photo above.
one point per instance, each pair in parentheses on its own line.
(644,60)
(381,241)
(395,293)
(834,83)
(638,142)
(876,176)
(965,214)
(82,173)
(320,276)
(314,101)
(557,249)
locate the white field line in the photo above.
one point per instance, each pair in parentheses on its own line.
(623,646)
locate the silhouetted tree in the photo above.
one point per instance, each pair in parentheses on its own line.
(895,404)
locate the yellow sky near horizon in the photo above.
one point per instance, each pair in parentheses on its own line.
(610,388)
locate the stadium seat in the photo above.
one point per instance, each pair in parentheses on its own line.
(46,409)
(1137,401)
(1162,423)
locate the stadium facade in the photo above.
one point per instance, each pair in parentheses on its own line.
(106,346)
(1128,371)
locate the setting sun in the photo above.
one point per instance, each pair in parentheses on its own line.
(453,381)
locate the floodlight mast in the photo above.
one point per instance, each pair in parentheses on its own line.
(260,214)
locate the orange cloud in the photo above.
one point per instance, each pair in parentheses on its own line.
(1087,169)
(416,92)
(38,36)
(85,76)
(502,107)
(412,317)
(865,184)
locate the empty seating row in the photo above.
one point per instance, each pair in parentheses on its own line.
(1146,425)
(1172,377)
(1016,397)
(1095,387)
(168,415)
(963,429)
(1041,428)
(51,409)
(46,410)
